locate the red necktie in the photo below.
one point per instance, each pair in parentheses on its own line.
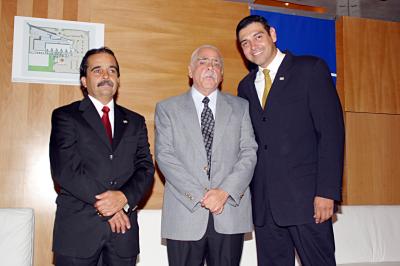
(106,122)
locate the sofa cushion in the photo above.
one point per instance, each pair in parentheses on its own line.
(371,264)
(367,234)
(16,237)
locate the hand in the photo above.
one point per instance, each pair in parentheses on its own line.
(110,202)
(215,200)
(323,209)
(119,223)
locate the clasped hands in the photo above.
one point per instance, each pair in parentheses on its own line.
(110,203)
(214,200)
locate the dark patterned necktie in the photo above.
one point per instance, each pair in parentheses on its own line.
(207,130)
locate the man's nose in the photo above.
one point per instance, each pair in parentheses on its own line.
(105,74)
(210,64)
(252,45)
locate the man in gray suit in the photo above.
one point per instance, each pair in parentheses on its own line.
(206,150)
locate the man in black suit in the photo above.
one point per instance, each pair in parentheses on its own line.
(298,124)
(100,158)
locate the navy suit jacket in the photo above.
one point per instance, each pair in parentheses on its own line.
(84,164)
(300,136)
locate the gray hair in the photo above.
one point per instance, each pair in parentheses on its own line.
(196,52)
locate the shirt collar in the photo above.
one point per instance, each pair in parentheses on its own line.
(198,98)
(276,62)
(100,106)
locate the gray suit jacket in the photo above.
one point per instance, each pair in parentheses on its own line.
(182,159)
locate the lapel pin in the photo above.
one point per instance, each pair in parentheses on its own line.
(125,121)
(281,78)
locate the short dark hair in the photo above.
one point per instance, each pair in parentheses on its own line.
(84,63)
(252,19)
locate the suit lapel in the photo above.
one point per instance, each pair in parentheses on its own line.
(120,124)
(253,97)
(223,113)
(278,86)
(191,122)
(282,77)
(91,116)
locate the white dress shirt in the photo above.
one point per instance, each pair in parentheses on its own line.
(273,67)
(198,102)
(100,106)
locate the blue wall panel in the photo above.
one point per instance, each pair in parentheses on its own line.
(304,35)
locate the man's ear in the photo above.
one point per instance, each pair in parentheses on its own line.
(190,72)
(272,33)
(83,80)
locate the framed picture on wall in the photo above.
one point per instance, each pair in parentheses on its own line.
(50,51)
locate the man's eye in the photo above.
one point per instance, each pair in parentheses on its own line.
(244,44)
(202,61)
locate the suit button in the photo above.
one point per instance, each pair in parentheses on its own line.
(264,119)
(205,168)
(111,156)
(265,147)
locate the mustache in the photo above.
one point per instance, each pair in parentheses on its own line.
(210,74)
(105,82)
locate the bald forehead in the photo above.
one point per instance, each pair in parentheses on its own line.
(205,49)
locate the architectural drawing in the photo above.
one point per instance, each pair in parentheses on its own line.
(50,51)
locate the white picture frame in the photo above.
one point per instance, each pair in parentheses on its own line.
(50,51)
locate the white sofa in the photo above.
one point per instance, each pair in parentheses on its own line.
(16,237)
(368,235)
(364,236)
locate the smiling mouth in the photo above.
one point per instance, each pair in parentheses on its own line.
(257,53)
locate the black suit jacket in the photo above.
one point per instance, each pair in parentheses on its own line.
(84,164)
(300,136)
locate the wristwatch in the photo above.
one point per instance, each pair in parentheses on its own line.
(126,208)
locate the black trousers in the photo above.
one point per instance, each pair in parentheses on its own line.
(105,256)
(313,242)
(214,248)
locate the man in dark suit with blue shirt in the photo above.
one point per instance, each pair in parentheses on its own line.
(298,123)
(100,158)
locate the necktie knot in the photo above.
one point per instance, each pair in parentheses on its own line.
(105,109)
(266,72)
(206,100)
